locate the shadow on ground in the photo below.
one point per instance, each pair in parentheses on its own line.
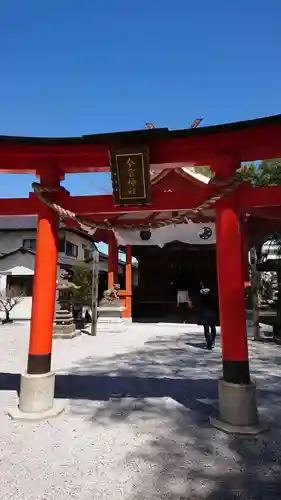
(168,389)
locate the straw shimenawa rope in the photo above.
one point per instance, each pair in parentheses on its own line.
(90,226)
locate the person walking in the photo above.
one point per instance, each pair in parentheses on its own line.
(208,316)
(183,303)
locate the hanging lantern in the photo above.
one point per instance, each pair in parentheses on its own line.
(145,234)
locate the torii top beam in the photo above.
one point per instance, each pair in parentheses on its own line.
(241,141)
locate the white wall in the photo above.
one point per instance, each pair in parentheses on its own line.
(78,240)
(21,311)
(18,265)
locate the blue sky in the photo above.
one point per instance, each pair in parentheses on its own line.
(69,68)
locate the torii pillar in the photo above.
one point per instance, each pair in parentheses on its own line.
(237,394)
(37,387)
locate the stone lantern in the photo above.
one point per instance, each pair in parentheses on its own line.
(64,325)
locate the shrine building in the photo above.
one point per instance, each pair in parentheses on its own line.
(173,257)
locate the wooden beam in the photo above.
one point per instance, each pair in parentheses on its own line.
(246,141)
(19,206)
(259,197)
(102,207)
(103,204)
(151,217)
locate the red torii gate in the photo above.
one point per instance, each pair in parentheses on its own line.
(221,147)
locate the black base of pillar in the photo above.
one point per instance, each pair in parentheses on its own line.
(236,372)
(39,363)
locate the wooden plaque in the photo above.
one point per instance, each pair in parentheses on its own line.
(130,176)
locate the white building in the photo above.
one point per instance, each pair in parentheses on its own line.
(17,257)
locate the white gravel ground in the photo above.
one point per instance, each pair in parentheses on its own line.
(136,421)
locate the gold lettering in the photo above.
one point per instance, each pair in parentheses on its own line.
(131,173)
(132,191)
(130,162)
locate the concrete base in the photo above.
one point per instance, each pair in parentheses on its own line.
(64,334)
(111,325)
(110,311)
(17,414)
(238,409)
(237,403)
(110,320)
(36,400)
(252,430)
(128,321)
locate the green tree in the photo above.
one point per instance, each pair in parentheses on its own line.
(204,170)
(248,172)
(267,173)
(81,275)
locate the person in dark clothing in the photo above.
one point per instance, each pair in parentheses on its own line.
(208,315)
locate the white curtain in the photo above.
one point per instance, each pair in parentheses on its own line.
(192,233)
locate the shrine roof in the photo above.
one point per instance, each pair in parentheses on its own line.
(196,175)
(146,135)
(18,223)
(62,260)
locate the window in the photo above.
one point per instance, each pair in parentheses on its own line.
(71,249)
(29,244)
(87,253)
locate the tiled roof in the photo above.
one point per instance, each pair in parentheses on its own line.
(188,170)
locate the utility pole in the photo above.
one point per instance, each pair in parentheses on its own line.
(95,289)
(255,293)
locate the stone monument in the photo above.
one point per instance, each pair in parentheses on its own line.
(110,312)
(64,325)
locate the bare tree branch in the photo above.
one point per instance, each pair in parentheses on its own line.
(9,300)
